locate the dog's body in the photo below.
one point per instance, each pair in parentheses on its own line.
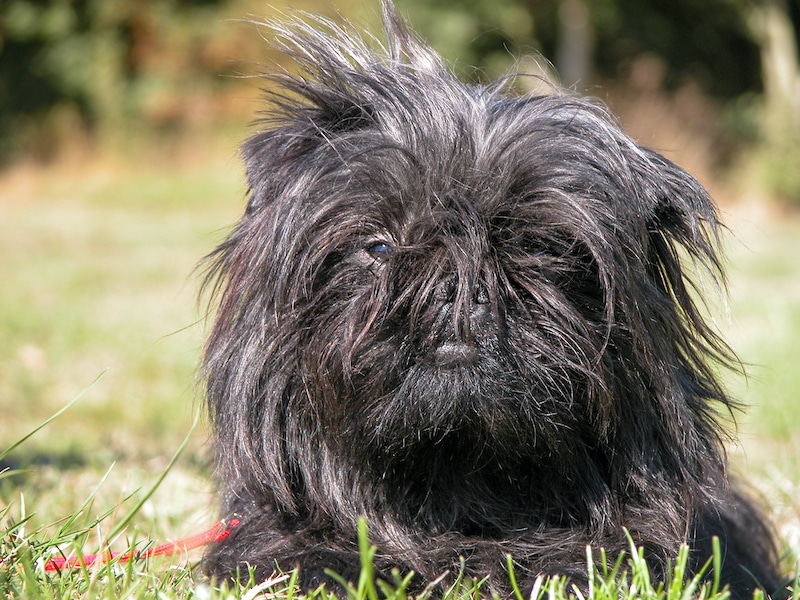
(466,317)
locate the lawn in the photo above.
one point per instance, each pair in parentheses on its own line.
(99,272)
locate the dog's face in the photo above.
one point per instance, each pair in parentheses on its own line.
(425,264)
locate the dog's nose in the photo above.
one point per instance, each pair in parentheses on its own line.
(446,292)
(459,347)
(456,354)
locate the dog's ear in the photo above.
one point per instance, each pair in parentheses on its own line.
(307,114)
(683,238)
(278,158)
(682,225)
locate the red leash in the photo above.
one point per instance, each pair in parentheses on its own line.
(218,532)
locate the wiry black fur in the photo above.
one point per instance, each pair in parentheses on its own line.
(467,317)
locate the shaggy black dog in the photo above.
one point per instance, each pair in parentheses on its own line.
(468,317)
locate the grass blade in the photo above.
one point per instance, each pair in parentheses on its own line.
(127,519)
(50,419)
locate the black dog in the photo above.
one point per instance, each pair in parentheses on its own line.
(468,317)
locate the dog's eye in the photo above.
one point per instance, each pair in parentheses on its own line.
(379,250)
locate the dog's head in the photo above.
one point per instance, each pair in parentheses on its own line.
(423,261)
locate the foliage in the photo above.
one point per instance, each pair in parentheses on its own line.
(776,113)
(777,156)
(87,74)
(707,41)
(108,65)
(475,34)
(111,67)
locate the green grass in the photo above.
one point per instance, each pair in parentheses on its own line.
(97,275)
(97,267)
(26,548)
(765,325)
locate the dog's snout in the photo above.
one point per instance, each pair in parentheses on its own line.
(447,292)
(456,354)
(464,317)
(481,295)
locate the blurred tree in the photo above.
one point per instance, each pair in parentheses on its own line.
(99,65)
(778,112)
(104,65)
(485,36)
(706,40)
(573,52)
(743,53)
(54,54)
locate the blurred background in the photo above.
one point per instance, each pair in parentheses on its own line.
(119,127)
